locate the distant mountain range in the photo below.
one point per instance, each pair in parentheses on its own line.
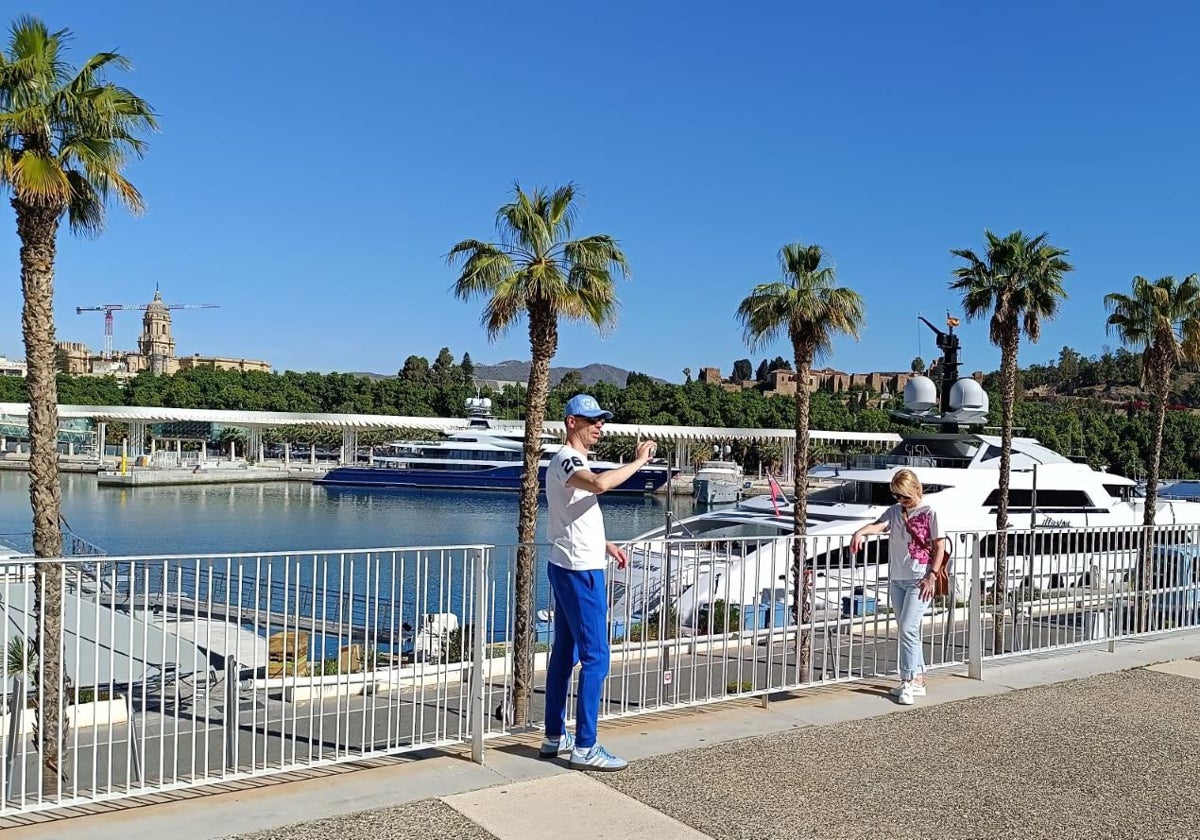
(515,371)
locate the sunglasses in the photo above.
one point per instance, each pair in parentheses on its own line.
(900,498)
(591,421)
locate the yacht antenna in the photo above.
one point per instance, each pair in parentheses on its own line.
(948,343)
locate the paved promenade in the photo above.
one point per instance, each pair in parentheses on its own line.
(1087,744)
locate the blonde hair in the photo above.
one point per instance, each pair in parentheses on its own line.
(906,483)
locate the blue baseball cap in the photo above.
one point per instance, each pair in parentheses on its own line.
(584,405)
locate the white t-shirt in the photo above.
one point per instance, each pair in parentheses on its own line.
(576,526)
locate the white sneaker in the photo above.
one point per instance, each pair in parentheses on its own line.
(907,695)
(918,689)
(552,747)
(596,758)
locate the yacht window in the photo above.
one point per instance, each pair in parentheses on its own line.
(1121,492)
(877,494)
(1047,500)
(937,451)
(1048,542)
(857,493)
(880,494)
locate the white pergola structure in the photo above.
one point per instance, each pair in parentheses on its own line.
(139,418)
(681,436)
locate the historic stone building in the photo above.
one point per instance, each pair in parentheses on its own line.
(222,363)
(883,383)
(155,353)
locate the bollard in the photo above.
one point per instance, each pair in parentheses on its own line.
(975,617)
(479,639)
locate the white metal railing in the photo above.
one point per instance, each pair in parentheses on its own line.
(186,670)
(181,671)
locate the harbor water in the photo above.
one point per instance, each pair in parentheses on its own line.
(304,519)
(296,516)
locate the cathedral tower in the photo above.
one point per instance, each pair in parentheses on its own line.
(156,342)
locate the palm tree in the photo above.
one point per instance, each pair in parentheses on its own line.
(65,135)
(539,271)
(811,310)
(1163,319)
(1019,283)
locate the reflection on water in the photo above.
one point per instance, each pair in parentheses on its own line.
(280,516)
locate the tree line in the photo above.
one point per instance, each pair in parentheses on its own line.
(1115,435)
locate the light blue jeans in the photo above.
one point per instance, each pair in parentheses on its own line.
(905,599)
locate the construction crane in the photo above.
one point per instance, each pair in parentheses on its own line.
(109,308)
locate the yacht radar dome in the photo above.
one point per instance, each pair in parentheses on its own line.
(920,395)
(968,395)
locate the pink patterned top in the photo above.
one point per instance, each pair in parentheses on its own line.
(910,540)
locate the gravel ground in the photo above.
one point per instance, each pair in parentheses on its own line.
(429,819)
(1110,756)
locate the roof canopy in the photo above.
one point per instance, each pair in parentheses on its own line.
(361,422)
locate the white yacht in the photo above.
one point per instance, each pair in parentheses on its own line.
(486,455)
(1070,524)
(718,483)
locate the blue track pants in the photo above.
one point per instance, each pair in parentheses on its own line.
(580,635)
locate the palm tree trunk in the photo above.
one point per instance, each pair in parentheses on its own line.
(1008,398)
(37,228)
(1160,384)
(543,342)
(801,576)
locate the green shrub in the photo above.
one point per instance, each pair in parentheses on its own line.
(719,618)
(457,647)
(657,628)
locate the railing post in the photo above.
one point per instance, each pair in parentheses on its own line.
(478,641)
(16,722)
(975,616)
(231,712)
(135,746)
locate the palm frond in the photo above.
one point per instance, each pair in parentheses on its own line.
(1018,282)
(523,223)
(53,116)
(85,209)
(806,304)
(1160,317)
(536,268)
(561,211)
(764,313)
(38,179)
(506,305)
(484,267)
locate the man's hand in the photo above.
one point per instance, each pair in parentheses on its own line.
(617,553)
(646,450)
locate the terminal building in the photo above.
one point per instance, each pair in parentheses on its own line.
(155,352)
(12,367)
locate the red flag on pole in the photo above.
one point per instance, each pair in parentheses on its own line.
(776,491)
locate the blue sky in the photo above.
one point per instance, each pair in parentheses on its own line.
(317,161)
